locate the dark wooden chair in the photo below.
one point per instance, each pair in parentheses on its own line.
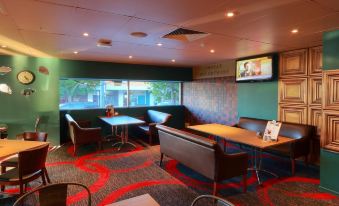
(31,165)
(13,161)
(52,195)
(80,136)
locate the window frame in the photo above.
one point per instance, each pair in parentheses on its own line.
(128,93)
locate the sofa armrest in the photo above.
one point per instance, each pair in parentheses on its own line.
(231,165)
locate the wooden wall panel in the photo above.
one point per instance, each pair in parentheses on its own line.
(293,91)
(315,118)
(315,91)
(302,92)
(315,60)
(293,63)
(331,89)
(330,132)
(293,114)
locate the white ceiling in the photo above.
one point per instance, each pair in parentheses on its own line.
(55,27)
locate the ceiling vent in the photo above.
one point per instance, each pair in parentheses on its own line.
(104,43)
(185,35)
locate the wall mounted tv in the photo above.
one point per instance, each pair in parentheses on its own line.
(252,69)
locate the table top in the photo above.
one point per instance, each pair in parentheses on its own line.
(239,135)
(11,147)
(121,120)
(142,200)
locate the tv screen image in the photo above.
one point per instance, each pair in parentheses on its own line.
(255,69)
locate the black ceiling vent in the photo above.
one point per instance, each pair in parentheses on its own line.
(185,35)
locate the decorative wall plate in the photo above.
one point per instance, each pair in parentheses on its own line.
(43,70)
(4,88)
(27,92)
(4,70)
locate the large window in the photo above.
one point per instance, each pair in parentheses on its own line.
(85,94)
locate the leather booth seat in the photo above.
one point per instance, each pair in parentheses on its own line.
(202,155)
(302,133)
(153,118)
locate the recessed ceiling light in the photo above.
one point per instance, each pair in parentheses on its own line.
(173,60)
(159,44)
(85,34)
(130,57)
(294,31)
(138,34)
(3,46)
(230,14)
(75,52)
(212,50)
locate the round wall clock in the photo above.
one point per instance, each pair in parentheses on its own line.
(26,77)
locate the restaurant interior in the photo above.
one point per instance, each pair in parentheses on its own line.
(169,103)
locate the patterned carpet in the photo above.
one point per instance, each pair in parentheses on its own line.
(113,176)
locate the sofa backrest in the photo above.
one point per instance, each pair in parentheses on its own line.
(157,117)
(195,152)
(252,124)
(291,130)
(297,131)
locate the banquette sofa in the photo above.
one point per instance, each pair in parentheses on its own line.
(202,155)
(299,148)
(153,118)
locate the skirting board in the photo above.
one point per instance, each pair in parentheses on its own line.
(323,189)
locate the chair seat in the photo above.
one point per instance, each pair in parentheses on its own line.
(10,162)
(13,176)
(145,128)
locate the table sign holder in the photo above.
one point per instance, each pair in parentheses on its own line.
(272,131)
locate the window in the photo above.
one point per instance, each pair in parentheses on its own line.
(86,94)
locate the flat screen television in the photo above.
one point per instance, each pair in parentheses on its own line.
(253,69)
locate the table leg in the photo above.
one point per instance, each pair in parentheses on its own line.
(124,138)
(257,166)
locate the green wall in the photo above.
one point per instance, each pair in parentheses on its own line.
(331,50)
(329,167)
(258,100)
(19,112)
(329,161)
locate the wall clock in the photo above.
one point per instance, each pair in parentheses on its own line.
(26,77)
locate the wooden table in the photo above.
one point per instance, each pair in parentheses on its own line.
(245,137)
(123,121)
(142,200)
(12,147)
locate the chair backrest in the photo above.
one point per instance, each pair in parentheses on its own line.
(213,200)
(53,195)
(157,117)
(36,125)
(32,161)
(193,151)
(35,136)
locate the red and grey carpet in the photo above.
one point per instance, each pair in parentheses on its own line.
(112,176)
